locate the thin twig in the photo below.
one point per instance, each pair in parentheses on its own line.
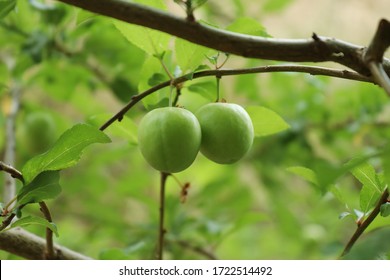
(161,230)
(373,55)
(7,221)
(12,171)
(312,70)
(363,226)
(379,75)
(197,249)
(49,254)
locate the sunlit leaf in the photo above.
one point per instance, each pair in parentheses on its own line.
(366,174)
(66,152)
(304,172)
(6,6)
(249,26)
(266,121)
(188,55)
(125,129)
(372,187)
(368,198)
(152,73)
(150,41)
(344,215)
(44,186)
(33,220)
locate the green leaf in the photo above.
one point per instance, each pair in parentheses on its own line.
(208,89)
(266,121)
(6,6)
(372,187)
(188,55)
(44,186)
(366,175)
(156,79)
(368,198)
(249,26)
(30,220)
(306,173)
(66,152)
(275,5)
(150,41)
(125,129)
(150,73)
(385,209)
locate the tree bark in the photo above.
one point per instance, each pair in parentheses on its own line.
(315,49)
(22,243)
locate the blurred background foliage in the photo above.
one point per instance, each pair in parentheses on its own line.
(74,67)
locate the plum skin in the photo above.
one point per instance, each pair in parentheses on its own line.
(169,138)
(227,132)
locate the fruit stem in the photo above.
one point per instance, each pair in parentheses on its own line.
(218,80)
(170,95)
(161,231)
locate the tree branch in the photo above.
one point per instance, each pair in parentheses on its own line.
(11,171)
(362,227)
(49,252)
(313,70)
(379,75)
(373,56)
(22,243)
(161,230)
(315,49)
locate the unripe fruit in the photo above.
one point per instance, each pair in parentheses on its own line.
(169,138)
(40,131)
(227,132)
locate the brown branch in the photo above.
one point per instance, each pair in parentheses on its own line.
(379,43)
(7,222)
(312,70)
(315,49)
(379,75)
(373,56)
(49,254)
(22,243)
(11,171)
(196,249)
(362,227)
(161,229)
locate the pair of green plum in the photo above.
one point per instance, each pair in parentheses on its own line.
(171,137)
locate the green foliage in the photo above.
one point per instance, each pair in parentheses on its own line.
(66,152)
(306,173)
(6,6)
(32,220)
(189,56)
(248,26)
(265,121)
(42,187)
(295,183)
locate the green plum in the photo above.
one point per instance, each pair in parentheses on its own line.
(40,131)
(227,132)
(169,138)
